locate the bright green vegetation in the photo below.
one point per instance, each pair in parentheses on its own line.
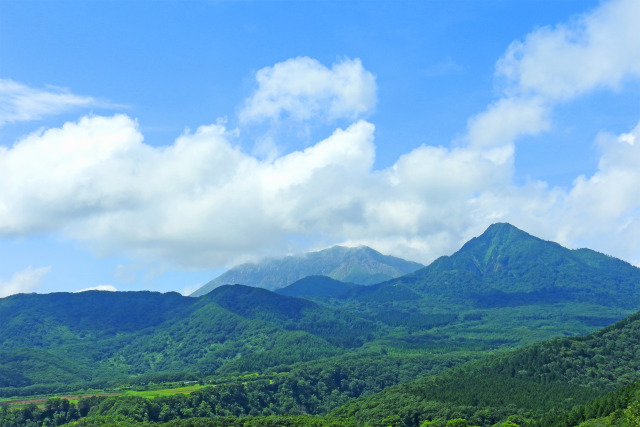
(530,382)
(163,391)
(494,331)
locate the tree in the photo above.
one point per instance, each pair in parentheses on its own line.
(457,422)
(632,413)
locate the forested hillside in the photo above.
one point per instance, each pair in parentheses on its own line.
(65,341)
(506,281)
(561,382)
(344,350)
(531,382)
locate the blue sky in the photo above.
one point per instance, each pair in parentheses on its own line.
(151,145)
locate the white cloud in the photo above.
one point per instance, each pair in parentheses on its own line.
(507,119)
(23,103)
(64,173)
(203,202)
(23,281)
(302,89)
(607,203)
(106,288)
(188,290)
(598,50)
(199,202)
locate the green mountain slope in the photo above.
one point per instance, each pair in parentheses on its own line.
(336,326)
(507,287)
(212,338)
(502,289)
(531,382)
(620,408)
(508,267)
(548,384)
(361,265)
(40,320)
(316,287)
(62,341)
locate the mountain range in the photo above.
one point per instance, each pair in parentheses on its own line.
(506,267)
(361,265)
(328,344)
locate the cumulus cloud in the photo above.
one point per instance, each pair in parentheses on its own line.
(507,119)
(19,102)
(203,202)
(597,50)
(198,202)
(106,288)
(23,281)
(605,207)
(302,89)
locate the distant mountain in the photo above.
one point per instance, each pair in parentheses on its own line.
(316,287)
(361,265)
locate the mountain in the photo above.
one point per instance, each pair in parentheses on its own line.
(506,267)
(316,287)
(65,341)
(361,265)
(503,289)
(541,380)
(548,384)
(338,327)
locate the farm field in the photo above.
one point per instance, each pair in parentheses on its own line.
(74,397)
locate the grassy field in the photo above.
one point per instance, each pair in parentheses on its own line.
(163,391)
(40,400)
(150,394)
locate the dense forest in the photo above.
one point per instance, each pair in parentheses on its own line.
(505,331)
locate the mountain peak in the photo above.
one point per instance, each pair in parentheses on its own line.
(501,227)
(500,244)
(361,265)
(498,236)
(504,232)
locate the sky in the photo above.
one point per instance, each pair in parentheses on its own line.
(150,145)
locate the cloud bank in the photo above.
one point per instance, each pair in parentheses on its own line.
(596,51)
(203,202)
(23,281)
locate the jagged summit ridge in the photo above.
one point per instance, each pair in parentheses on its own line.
(361,265)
